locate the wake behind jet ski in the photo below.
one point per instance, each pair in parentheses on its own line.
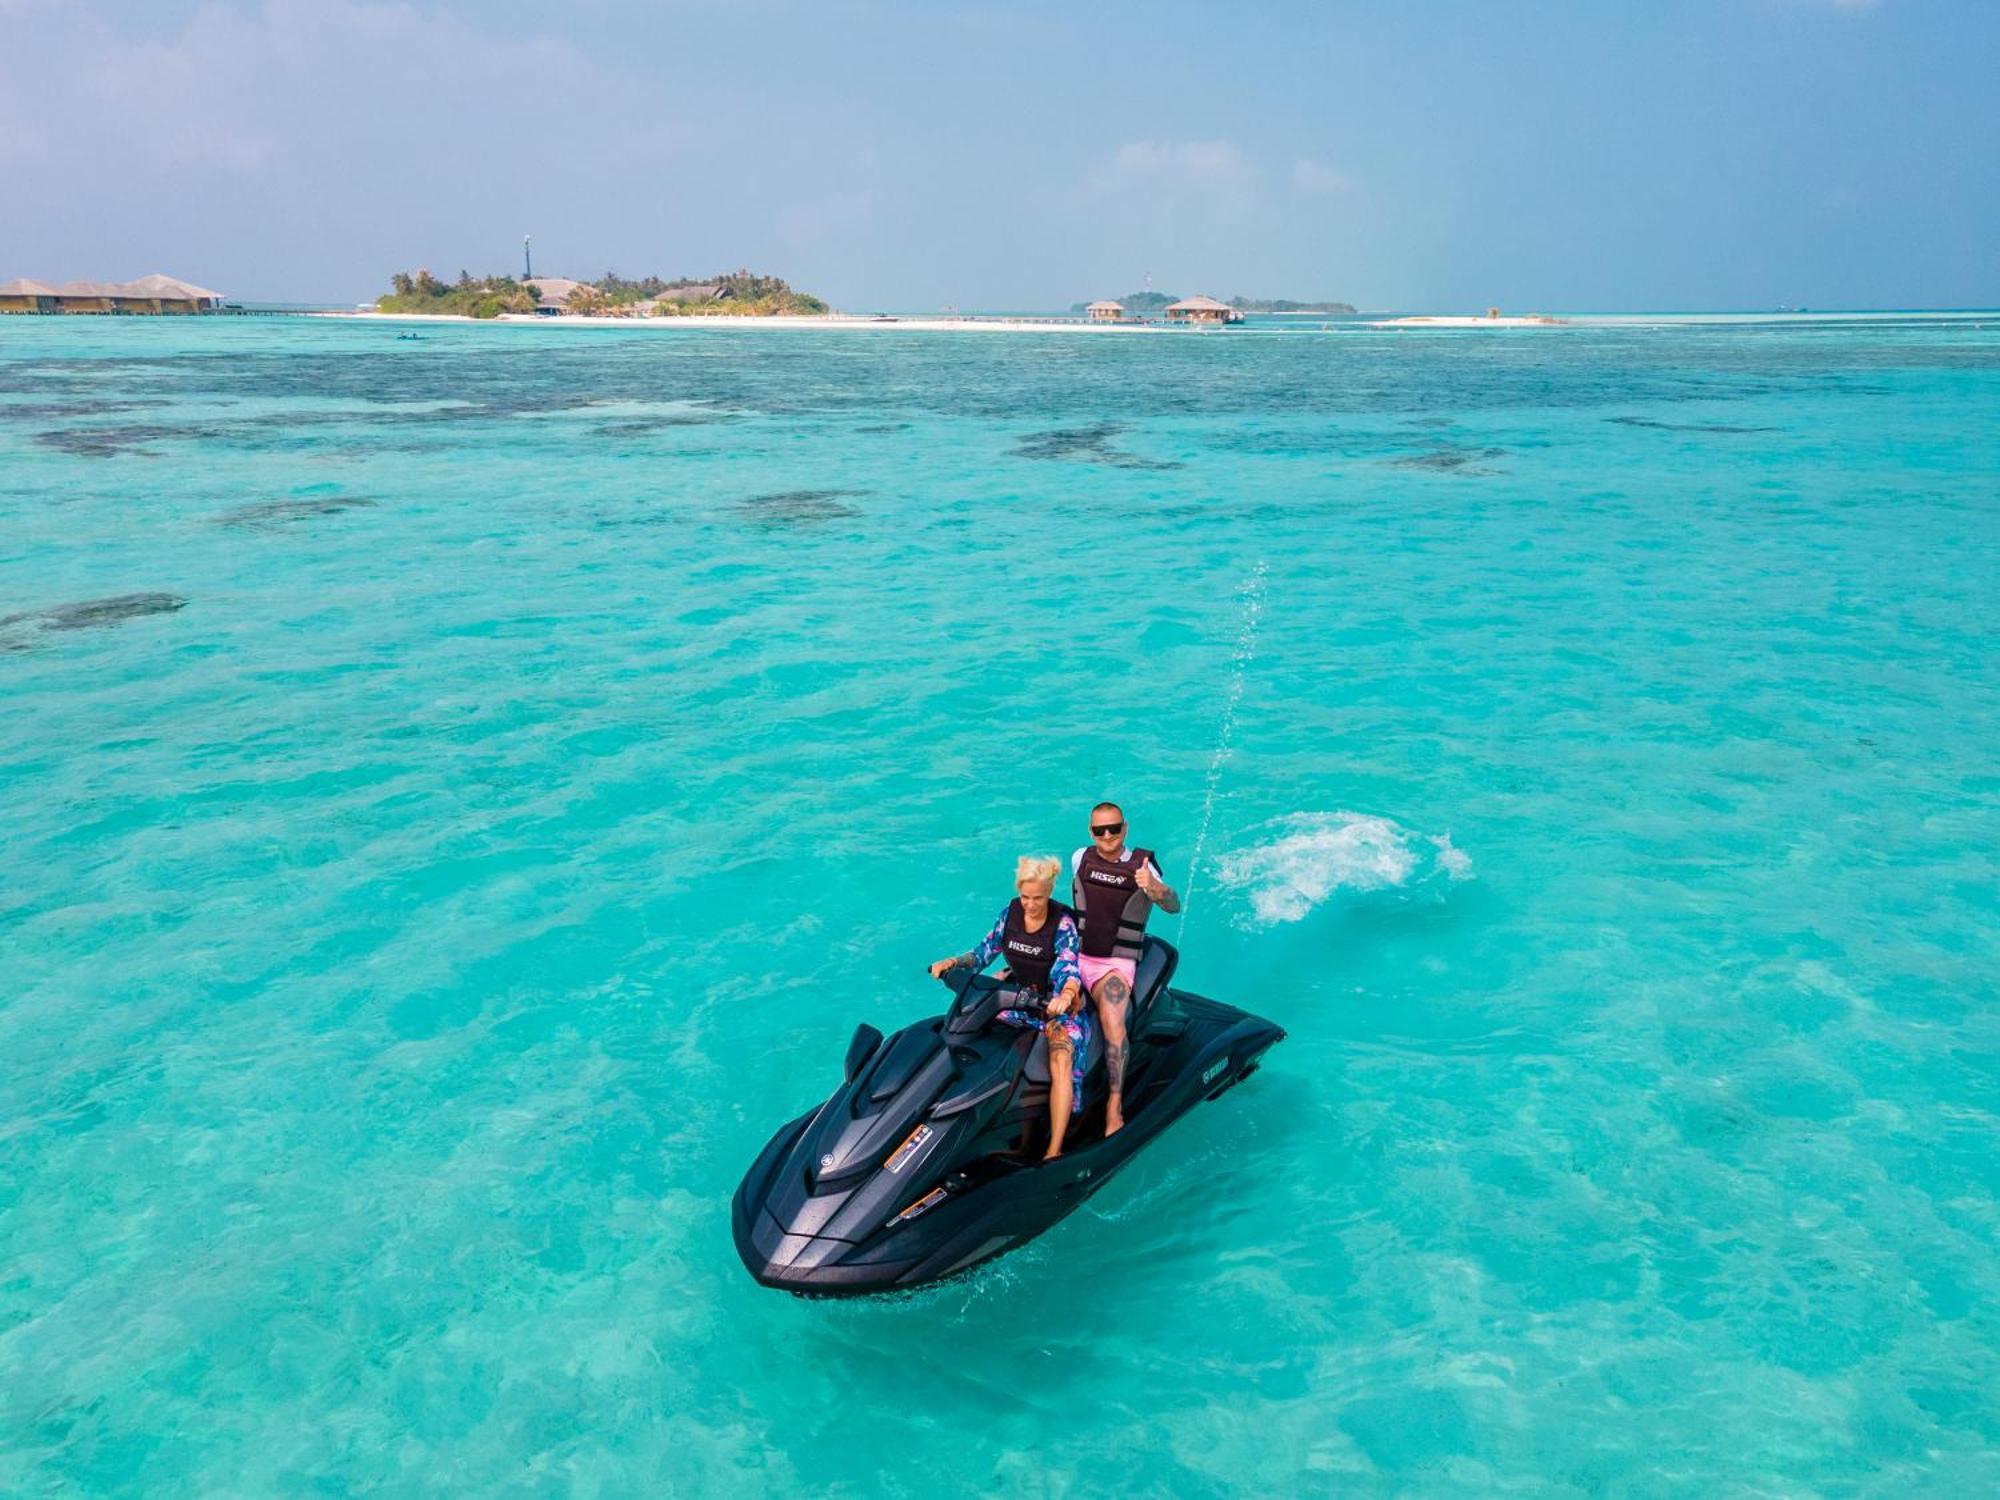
(924,1162)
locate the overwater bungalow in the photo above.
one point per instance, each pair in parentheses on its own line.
(1105,312)
(152,295)
(163,294)
(84,297)
(24,296)
(1203,310)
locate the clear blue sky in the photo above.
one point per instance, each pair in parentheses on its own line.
(1600,154)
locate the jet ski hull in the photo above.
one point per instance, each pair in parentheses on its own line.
(894,1183)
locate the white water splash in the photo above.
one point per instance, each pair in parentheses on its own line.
(1306,858)
(1252,594)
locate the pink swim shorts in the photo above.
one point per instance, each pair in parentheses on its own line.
(1095,969)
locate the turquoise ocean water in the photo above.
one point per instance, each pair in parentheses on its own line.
(458,795)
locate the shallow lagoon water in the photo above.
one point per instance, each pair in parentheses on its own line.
(459,795)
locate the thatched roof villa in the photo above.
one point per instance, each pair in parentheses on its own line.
(1203,310)
(555,293)
(1105,312)
(165,289)
(24,296)
(705,291)
(153,294)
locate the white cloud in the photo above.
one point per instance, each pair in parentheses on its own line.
(1310,176)
(1206,161)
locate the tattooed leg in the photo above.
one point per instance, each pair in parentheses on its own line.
(1113,995)
(1062,1057)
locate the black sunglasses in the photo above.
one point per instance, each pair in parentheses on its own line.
(1105,830)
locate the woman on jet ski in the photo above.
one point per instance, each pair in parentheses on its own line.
(1038,938)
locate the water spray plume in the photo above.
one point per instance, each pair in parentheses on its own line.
(1252,595)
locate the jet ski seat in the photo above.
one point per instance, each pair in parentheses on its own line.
(1155,967)
(1150,976)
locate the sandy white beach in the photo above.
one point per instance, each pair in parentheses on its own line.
(1534,320)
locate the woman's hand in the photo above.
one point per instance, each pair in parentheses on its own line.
(944,966)
(1065,1000)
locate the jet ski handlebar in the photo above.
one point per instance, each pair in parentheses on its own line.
(979,1003)
(980,999)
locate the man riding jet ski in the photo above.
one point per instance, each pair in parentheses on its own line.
(924,1161)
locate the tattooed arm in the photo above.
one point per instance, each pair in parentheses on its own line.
(1154,885)
(979,957)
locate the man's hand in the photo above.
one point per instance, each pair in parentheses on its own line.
(1157,890)
(944,966)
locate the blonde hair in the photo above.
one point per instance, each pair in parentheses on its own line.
(1037,869)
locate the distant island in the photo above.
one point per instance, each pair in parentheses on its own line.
(1152,302)
(741,294)
(1283,305)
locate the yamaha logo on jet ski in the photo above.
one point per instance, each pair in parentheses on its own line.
(952,1114)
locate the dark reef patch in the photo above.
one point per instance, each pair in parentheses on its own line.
(1716,427)
(56,411)
(641,426)
(1448,459)
(268,513)
(877,429)
(1085,445)
(283,420)
(87,614)
(106,442)
(800,507)
(277,431)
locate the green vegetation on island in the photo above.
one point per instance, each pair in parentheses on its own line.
(1142,303)
(1284,305)
(735,293)
(469,296)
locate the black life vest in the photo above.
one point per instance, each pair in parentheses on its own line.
(1030,955)
(1114,908)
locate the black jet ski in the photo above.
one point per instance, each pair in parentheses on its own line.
(927,1160)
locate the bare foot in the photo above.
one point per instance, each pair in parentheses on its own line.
(1114,1119)
(1051,1154)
